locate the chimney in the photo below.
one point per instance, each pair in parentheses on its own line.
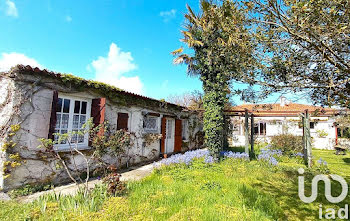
(282,101)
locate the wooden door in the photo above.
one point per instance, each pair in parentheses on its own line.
(178,136)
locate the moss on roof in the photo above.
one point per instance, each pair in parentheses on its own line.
(113,93)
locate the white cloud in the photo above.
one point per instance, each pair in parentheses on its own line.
(111,70)
(68,18)
(11,9)
(8,60)
(168,15)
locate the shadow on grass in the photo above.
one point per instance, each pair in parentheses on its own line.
(346,160)
(288,199)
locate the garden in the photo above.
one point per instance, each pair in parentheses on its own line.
(192,186)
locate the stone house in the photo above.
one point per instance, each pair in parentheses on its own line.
(43,103)
(285,117)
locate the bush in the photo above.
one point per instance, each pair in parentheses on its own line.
(288,143)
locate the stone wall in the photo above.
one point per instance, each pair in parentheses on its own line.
(24,102)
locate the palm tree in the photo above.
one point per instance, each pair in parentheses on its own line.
(219,48)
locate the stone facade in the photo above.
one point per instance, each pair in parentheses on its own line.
(26,98)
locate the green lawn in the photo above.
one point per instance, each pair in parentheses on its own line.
(229,190)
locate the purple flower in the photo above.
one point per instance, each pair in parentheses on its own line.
(236,155)
(269,156)
(185,158)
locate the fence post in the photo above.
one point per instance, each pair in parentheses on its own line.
(307,139)
(246,131)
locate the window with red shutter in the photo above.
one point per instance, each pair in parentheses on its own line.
(122,122)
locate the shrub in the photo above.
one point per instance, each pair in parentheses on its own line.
(287,143)
(114,185)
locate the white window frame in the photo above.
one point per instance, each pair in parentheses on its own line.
(85,144)
(151,130)
(259,129)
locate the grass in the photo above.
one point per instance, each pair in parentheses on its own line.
(229,190)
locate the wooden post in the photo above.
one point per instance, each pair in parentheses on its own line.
(252,135)
(246,131)
(307,139)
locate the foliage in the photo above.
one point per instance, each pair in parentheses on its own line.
(150,138)
(29,189)
(343,123)
(107,139)
(229,190)
(322,133)
(103,138)
(268,156)
(322,167)
(218,39)
(14,159)
(113,182)
(287,143)
(192,100)
(303,46)
(114,94)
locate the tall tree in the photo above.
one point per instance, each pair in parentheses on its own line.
(192,100)
(305,47)
(219,53)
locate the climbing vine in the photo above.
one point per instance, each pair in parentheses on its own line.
(218,38)
(14,159)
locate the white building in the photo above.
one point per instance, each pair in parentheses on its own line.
(43,103)
(285,117)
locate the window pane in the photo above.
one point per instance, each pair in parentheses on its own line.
(64,132)
(169,129)
(76,122)
(82,121)
(77,107)
(150,123)
(83,107)
(66,106)
(64,122)
(312,125)
(59,105)
(74,138)
(256,129)
(262,128)
(81,139)
(58,121)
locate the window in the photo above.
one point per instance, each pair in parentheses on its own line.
(260,128)
(150,124)
(122,121)
(71,115)
(184,129)
(169,128)
(312,125)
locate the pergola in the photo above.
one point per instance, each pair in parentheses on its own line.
(249,141)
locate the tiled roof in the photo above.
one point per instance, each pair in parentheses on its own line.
(29,70)
(290,109)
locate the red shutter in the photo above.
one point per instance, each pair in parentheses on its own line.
(163,130)
(98,109)
(53,117)
(122,122)
(178,135)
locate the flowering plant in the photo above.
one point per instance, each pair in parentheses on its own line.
(269,156)
(322,166)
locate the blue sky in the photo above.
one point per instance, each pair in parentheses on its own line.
(122,42)
(77,36)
